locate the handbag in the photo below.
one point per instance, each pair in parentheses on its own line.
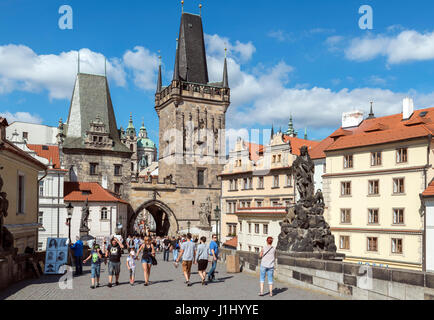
(154,261)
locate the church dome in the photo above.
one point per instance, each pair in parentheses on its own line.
(145,143)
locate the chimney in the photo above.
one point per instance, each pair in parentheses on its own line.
(407,108)
(352,119)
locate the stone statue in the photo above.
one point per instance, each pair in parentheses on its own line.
(85,216)
(304,228)
(4,205)
(205,213)
(304,171)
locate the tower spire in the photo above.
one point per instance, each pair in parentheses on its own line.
(225,72)
(272,131)
(200,9)
(182,5)
(371,113)
(159,82)
(176,71)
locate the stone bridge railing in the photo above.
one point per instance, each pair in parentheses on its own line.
(346,280)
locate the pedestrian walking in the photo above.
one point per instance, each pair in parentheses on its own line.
(77,249)
(202,259)
(96,255)
(166,248)
(267,256)
(214,252)
(130,242)
(131,265)
(175,248)
(114,253)
(187,253)
(148,253)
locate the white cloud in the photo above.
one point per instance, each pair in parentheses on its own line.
(144,65)
(407,46)
(280,35)
(24,70)
(239,51)
(21,116)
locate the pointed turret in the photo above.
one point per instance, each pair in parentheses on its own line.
(176,68)
(290,131)
(225,73)
(371,113)
(159,81)
(272,131)
(131,131)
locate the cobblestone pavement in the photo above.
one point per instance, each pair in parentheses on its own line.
(167,282)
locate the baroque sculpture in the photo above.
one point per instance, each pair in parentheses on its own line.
(304,229)
(205,213)
(84,226)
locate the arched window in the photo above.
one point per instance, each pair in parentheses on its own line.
(131,147)
(104,213)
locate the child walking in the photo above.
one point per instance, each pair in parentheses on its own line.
(96,256)
(131,264)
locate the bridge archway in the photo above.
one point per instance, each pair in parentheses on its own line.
(165,219)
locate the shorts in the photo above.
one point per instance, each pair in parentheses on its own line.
(186,266)
(202,265)
(132,272)
(269,272)
(95,270)
(147,260)
(114,268)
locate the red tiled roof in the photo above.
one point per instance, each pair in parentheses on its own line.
(297,143)
(47,152)
(429,191)
(389,129)
(93,191)
(24,155)
(255,150)
(232,242)
(317,152)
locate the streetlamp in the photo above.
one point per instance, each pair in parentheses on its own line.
(69,210)
(188,225)
(217,217)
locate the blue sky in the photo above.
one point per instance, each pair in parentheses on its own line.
(308,58)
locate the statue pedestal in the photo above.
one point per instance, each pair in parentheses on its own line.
(84,235)
(205,231)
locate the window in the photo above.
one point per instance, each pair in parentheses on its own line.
(376,159)
(201,177)
(398,216)
(21,197)
(344,243)
(260,182)
(397,246)
(25,135)
(93,169)
(288,181)
(132,166)
(118,188)
(324,168)
(275,203)
(348,161)
(372,244)
(274,159)
(104,213)
(41,188)
(257,228)
(279,158)
(256,250)
(398,186)
(345,215)
(241,227)
(250,248)
(250,183)
(374,187)
(265,228)
(41,218)
(259,203)
(131,147)
(118,170)
(241,246)
(373,216)
(250,229)
(275,181)
(232,230)
(346,188)
(401,155)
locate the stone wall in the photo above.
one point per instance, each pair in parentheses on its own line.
(344,280)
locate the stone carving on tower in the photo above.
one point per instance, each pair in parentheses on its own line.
(97,136)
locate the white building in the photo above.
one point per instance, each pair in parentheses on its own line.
(428,201)
(52,212)
(32,133)
(106,209)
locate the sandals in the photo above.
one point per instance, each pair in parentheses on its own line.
(260,294)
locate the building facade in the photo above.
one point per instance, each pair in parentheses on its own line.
(32,133)
(19,172)
(376,169)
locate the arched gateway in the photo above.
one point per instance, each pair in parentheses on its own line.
(165,219)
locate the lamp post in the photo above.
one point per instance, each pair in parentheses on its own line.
(69,210)
(188,225)
(217,217)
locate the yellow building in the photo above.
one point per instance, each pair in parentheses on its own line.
(257,185)
(375,170)
(20,176)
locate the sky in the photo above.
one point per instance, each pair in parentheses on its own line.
(307,58)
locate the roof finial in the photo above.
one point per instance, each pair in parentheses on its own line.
(182,5)
(371,113)
(200,9)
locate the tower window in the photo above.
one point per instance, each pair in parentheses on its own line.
(118,170)
(201,177)
(93,169)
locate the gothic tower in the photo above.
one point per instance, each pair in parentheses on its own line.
(191,113)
